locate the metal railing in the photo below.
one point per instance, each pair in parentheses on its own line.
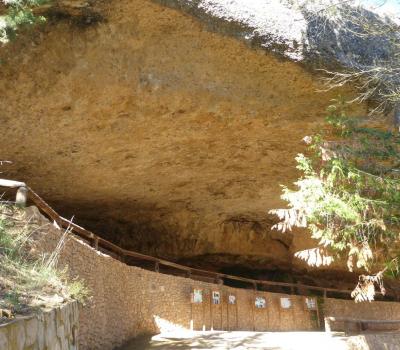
(24,193)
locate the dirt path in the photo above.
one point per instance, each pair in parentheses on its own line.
(241,341)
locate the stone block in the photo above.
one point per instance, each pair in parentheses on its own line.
(17,335)
(50,330)
(60,331)
(41,335)
(64,343)
(4,338)
(56,345)
(31,331)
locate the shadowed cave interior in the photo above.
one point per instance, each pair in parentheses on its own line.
(140,232)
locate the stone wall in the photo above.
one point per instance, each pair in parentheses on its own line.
(128,301)
(340,310)
(376,310)
(388,341)
(55,329)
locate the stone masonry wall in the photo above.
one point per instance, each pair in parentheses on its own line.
(128,301)
(376,310)
(56,329)
(341,310)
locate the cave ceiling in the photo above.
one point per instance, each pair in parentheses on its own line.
(160,134)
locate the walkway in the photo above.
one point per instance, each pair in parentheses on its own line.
(248,341)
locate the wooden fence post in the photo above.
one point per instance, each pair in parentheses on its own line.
(253,307)
(211,312)
(96,243)
(21,197)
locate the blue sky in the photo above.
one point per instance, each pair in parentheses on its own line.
(382,6)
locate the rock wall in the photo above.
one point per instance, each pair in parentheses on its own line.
(376,310)
(128,301)
(56,329)
(159,134)
(338,311)
(389,341)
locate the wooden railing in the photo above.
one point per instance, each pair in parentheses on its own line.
(24,193)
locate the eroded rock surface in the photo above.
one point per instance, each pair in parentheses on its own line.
(321,33)
(159,134)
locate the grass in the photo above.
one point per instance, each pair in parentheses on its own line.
(30,280)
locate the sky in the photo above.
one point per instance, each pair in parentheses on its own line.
(386,7)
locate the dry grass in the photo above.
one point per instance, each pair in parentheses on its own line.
(29,280)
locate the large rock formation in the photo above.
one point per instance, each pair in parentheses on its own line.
(320,33)
(158,133)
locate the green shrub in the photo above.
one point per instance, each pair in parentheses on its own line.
(348,197)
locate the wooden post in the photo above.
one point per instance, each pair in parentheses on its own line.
(211,312)
(204,315)
(21,197)
(318,317)
(323,311)
(268,308)
(95,242)
(237,313)
(227,312)
(280,314)
(191,317)
(254,307)
(292,300)
(191,310)
(222,309)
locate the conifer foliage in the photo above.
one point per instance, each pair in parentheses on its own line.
(17,14)
(348,197)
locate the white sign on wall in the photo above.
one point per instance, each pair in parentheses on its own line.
(260,303)
(311,303)
(197,296)
(286,303)
(216,298)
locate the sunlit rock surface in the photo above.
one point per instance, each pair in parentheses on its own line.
(318,33)
(159,133)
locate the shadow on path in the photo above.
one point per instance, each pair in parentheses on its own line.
(236,340)
(205,341)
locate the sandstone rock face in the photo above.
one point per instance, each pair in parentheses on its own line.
(159,134)
(319,33)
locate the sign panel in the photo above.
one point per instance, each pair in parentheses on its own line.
(232,299)
(216,298)
(260,303)
(286,303)
(197,296)
(311,303)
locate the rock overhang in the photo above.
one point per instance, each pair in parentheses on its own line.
(162,136)
(303,31)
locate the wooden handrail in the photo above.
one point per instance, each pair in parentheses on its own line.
(102,243)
